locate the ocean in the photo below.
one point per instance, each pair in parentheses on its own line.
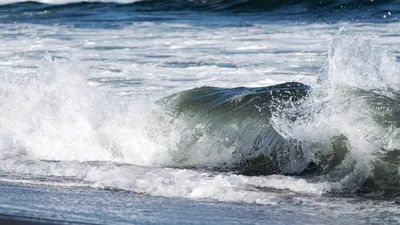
(200,112)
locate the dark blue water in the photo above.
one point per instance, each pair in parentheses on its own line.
(233,12)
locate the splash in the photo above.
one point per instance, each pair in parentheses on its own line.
(356,100)
(344,130)
(55,115)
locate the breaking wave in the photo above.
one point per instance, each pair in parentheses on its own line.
(344,130)
(340,135)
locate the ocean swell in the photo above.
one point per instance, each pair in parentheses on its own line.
(355,10)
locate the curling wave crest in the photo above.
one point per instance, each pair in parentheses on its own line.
(340,135)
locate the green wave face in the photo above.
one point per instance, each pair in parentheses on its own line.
(236,121)
(252,131)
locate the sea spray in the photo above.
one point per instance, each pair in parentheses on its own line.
(55,115)
(356,98)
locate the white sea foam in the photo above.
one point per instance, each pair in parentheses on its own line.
(55,115)
(166,182)
(336,107)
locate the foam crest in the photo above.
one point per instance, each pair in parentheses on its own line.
(355,61)
(55,115)
(354,91)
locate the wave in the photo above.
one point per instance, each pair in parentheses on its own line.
(385,11)
(338,136)
(344,130)
(233,120)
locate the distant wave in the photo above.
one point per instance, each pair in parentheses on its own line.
(339,9)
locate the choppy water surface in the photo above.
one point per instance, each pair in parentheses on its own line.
(110,95)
